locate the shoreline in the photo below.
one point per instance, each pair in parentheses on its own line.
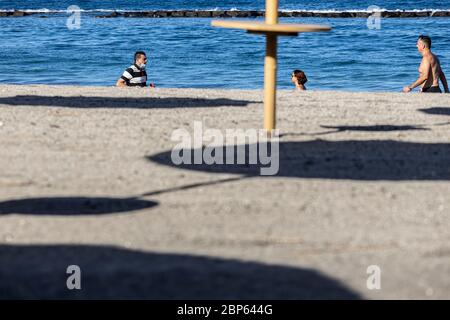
(211,89)
(238,13)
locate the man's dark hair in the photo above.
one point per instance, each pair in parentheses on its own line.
(297,71)
(425,40)
(139,54)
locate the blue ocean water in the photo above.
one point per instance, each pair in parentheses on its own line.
(190,53)
(223,4)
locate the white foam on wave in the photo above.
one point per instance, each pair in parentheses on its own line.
(45,10)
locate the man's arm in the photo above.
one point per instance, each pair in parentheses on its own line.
(126,76)
(121,83)
(444,81)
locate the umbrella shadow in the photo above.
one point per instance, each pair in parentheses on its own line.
(37,272)
(372,128)
(73,206)
(129,102)
(441,111)
(352,160)
(375,128)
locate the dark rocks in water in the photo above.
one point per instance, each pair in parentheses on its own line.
(190,14)
(346,15)
(204,14)
(415,14)
(440,14)
(333,14)
(388,14)
(324,14)
(295,14)
(19,14)
(408,14)
(177,14)
(134,14)
(150,14)
(232,14)
(303,14)
(114,14)
(218,14)
(243,14)
(253,14)
(360,14)
(161,14)
(423,14)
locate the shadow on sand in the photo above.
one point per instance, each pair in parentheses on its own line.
(355,160)
(108,102)
(374,128)
(114,273)
(441,111)
(73,206)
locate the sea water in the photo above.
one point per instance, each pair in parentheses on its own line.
(187,52)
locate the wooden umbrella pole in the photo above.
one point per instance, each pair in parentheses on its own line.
(271,29)
(271,11)
(270,68)
(270,83)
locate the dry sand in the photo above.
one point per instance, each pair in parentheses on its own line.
(375,191)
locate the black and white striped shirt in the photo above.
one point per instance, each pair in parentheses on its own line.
(135,77)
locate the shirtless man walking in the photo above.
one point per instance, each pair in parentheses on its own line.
(430,69)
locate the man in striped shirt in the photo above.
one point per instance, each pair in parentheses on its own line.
(135,75)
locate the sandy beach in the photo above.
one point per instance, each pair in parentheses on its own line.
(364,181)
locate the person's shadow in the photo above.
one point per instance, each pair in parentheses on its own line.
(32,272)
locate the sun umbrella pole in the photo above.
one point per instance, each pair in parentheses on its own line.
(271,29)
(270,68)
(270,78)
